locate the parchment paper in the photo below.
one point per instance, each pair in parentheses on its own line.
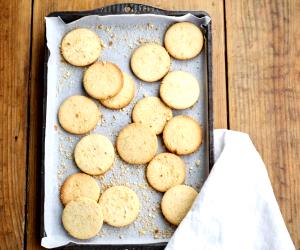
(121,35)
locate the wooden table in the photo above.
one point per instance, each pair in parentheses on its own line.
(256,75)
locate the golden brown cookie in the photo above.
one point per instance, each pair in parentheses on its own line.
(78,114)
(137,144)
(176,203)
(103,80)
(183,40)
(150,62)
(79,185)
(166,170)
(182,135)
(124,97)
(81,47)
(120,206)
(82,218)
(179,90)
(94,154)
(152,112)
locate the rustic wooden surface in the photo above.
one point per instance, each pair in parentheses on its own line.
(260,75)
(14,71)
(263,55)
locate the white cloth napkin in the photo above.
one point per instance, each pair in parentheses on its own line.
(236,208)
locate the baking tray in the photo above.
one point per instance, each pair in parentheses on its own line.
(131,8)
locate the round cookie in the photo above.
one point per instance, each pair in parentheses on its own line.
(120,206)
(182,135)
(150,62)
(124,97)
(166,170)
(179,90)
(176,203)
(82,218)
(103,80)
(183,40)
(152,112)
(78,114)
(79,185)
(136,144)
(81,47)
(94,154)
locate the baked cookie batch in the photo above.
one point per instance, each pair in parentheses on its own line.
(85,208)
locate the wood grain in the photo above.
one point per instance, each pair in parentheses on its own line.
(263,42)
(14,73)
(41,9)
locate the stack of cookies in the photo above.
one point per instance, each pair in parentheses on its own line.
(85,209)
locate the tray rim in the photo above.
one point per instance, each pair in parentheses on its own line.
(118,9)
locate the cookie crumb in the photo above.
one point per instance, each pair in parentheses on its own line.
(156,234)
(102,44)
(142,232)
(66,75)
(150,25)
(141,41)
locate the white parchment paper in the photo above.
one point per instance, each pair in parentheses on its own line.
(121,34)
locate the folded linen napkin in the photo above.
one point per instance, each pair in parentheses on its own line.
(236,208)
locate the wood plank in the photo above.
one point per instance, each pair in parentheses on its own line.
(41,9)
(15,19)
(263,43)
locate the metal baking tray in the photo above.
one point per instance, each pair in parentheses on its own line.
(131,8)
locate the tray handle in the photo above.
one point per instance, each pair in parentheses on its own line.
(128,8)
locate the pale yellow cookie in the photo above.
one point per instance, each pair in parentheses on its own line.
(120,206)
(166,170)
(176,203)
(152,112)
(124,97)
(94,154)
(182,135)
(137,144)
(79,185)
(183,40)
(179,90)
(78,114)
(150,62)
(82,218)
(103,80)
(81,47)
